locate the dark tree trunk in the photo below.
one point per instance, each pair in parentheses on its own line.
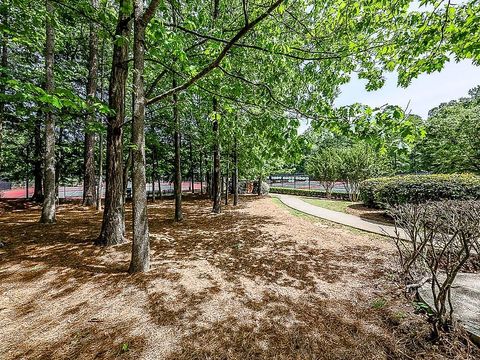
(4,63)
(217,180)
(209,182)
(177,185)
(59,162)
(259,188)
(235,175)
(49,206)
(126,171)
(100,173)
(201,173)
(141,242)
(153,189)
(226,184)
(37,162)
(113,225)
(191,167)
(89,186)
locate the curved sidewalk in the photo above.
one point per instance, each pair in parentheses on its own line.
(354,221)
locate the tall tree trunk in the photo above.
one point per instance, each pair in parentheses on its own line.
(60,158)
(226,183)
(217,180)
(208,180)
(89,190)
(177,184)
(100,173)
(201,173)
(141,242)
(38,162)
(192,179)
(49,206)
(259,188)
(4,63)
(113,225)
(235,174)
(126,171)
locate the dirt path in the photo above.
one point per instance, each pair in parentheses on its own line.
(251,283)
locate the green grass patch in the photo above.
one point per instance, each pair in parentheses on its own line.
(295,212)
(336,205)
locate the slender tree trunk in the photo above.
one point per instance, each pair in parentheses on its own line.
(226,183)
(160,187)
(192,167)
(201,173)
(153,189)
(177,185)
(141,241)
(100,173)
(4,63)
(209,181)
(259,188)
(113,225)
(126,171)
(217,180)
(235,174)
(60,158)
(37,162)
(49,206)
(89,190)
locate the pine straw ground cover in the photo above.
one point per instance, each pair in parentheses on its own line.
(255,282)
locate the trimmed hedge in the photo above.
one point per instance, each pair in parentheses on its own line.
(306,192)
(380,192)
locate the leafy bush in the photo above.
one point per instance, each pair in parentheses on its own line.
(325,167)
(357,163)
(264,190)
(251,187)
(402,189)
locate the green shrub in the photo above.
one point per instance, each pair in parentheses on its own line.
(402,189)
(306,192)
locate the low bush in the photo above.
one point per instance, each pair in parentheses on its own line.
(402,189)
(306,192)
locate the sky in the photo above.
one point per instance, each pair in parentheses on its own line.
(424,93)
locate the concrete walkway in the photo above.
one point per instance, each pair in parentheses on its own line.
(354,221)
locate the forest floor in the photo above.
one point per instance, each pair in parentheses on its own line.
(255,282)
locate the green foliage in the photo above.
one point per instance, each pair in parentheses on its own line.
(394,190)
(356,164)
(324,167)
(305,192)
(379,303)
(452,143)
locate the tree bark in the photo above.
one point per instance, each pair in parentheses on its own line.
(126,170)
(235,174)
(177,184)
(201,173)
(226,183)
(191,167)
(100,173)
(49,206)
(38,162)
(89,189)
(4,63)
(208,181)
(259,188)
(217,180)
(141,242)
(113,225)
